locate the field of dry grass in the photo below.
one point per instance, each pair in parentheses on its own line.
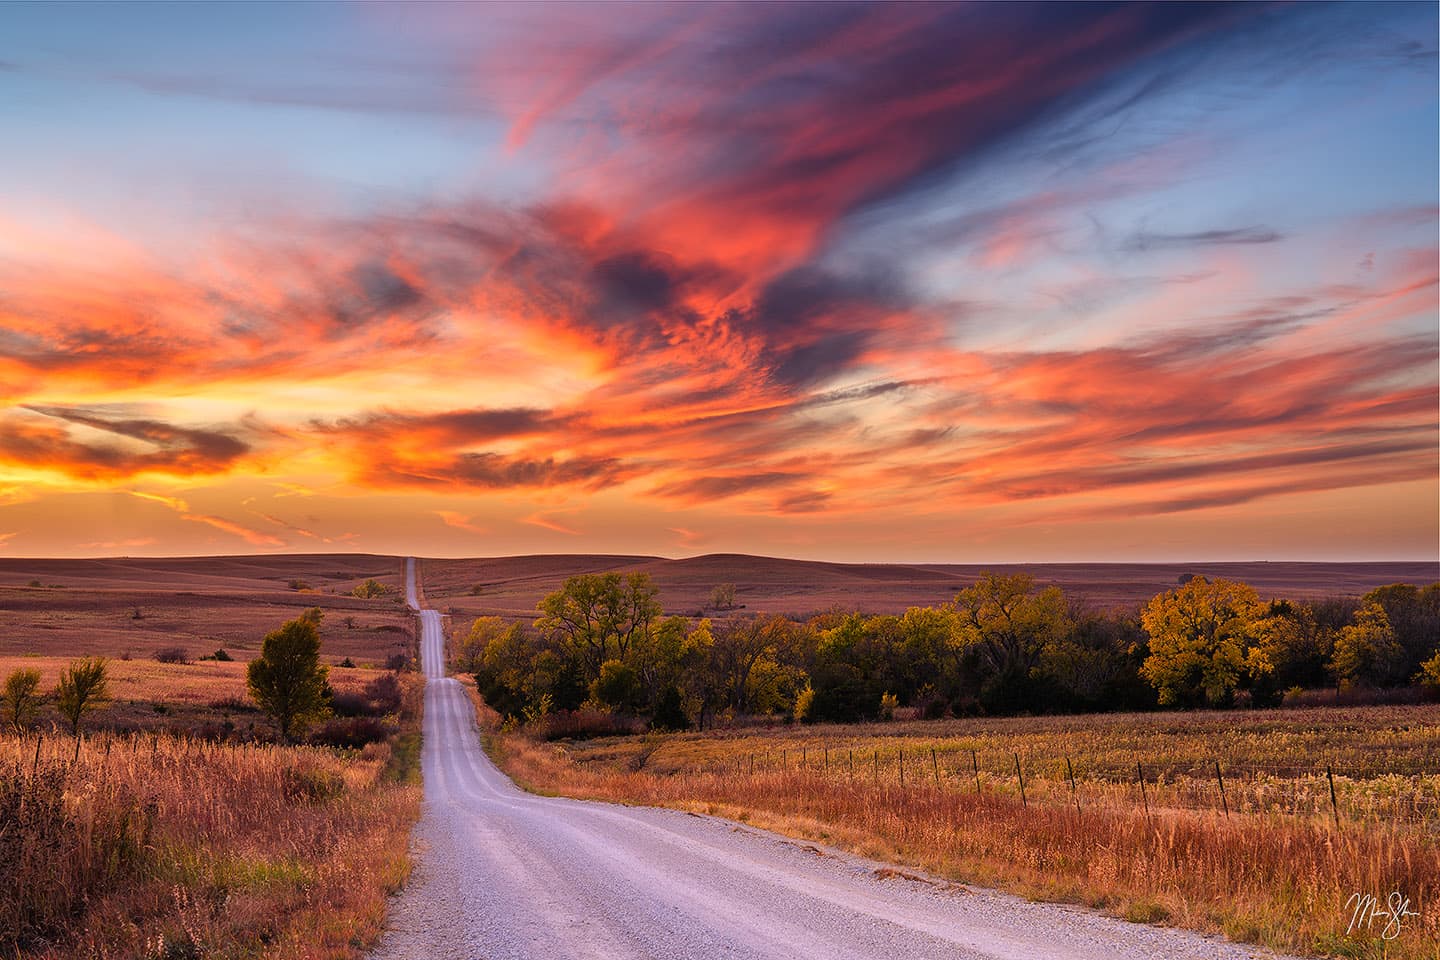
(1276,869)
(174,697)
(109,607)
(172,848)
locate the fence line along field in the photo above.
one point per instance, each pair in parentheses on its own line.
(1272,860)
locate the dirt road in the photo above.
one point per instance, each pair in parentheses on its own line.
(505,874)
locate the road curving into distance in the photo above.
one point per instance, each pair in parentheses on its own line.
(502,874)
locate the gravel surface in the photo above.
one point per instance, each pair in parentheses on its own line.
(505,874)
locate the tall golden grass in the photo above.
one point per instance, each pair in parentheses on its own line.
(1271,872)
(159,847)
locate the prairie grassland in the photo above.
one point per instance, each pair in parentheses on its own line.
(174,697)
(162,847)
(1276,870)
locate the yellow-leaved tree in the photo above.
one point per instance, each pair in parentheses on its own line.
(1203,642)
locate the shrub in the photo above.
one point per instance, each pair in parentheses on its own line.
(385,693)
(346,704)
(298,584)
(585,723)
(233,705)
(397,662)
(22,698)
(370,589)
(84,685)
(222,656)
(351,733)
(347,663)
(172,655)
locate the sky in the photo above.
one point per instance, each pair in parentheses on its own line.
(965,282)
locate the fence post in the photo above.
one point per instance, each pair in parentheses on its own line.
(784,761)
(975,765)
(802,758)
(1070,771)
(1334,807)
(35,765)
(827,758)
(877,766)
(900,763)
(752,763)
(1021,777)
(935,765)
(852,763)
(1144,799)
(1224,803)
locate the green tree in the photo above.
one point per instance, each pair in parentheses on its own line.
(1010,624)
(1367,652)
(617,686)
(1202,642)
(598,616)
(84,686)
(22,698)
(287,680)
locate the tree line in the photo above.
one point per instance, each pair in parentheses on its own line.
(1004,645)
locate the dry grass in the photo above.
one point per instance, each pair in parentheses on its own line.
(174,697)
(1276,871)
(159,847)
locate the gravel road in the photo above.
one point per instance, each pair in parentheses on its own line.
(504,874)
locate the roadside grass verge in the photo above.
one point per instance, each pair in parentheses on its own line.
(171,848)
(1261,875)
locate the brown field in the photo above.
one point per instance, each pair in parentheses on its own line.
(200,604)
(511,586)
(1276,869)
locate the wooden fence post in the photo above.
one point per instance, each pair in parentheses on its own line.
(1144,799)
(827,758)
(802,758)
(752,763)
(1021,777)
(900,763)
(935,765)
(1070,771)
(975,765)
(852,763)
(1334,807)
(1224,803)
(877,766)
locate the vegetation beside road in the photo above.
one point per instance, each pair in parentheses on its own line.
(1275,870)
(207,839)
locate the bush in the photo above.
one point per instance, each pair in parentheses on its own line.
(585,723)
(351,733)
(298,584)
(350,705)
(172,655)
(347,663)
(397,662)
(385,693)
(370,589)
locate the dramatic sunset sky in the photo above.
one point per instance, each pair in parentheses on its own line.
(965,282)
